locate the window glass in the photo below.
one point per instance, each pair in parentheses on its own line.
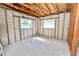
(26,23)
(50,23)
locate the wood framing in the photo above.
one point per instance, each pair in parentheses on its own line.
(14,26)
(63,25)
(20,29)
(19,9)
(58,25)
(7,27)
(74,29)
(27,6)
(48,8)
(55,29)
(38,9)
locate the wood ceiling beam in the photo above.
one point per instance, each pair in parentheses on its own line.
(19,9)
(40,8)
(56,8)
(26,9)
(48,8)
(44,9)
(32,8)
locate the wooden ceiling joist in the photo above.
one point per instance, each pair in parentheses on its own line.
(51,7)
(48,8)
(20,9)
(39,9)
(32,8)
(54,4)
(57,8)
(44,10)
(43,6)
(27,9)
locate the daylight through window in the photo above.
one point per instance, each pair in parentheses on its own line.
(26,23)
(50,23)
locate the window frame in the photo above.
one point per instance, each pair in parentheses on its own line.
(26,19)
(49,19)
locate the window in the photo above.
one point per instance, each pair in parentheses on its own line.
(26,23)
(50,23)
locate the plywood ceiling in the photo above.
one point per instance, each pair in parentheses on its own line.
(39,9)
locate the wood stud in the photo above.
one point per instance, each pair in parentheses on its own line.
(14,27)
(55,29)
(58,25)
(23,33)
(7,27)
(63,25)
(20,29)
